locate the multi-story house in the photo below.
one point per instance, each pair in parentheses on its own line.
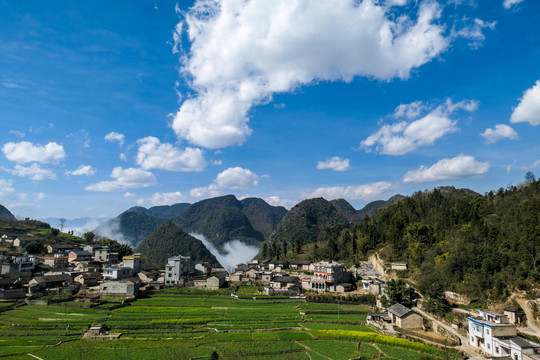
(176,268)
(493,333)
(326,276)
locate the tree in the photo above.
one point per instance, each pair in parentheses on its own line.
(62,223)
(89,236)
(398,291)
(34,247)
(529,176)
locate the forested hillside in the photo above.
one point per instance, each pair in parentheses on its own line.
(483,246)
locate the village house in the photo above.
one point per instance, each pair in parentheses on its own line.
(514,314)
(41,283)
(59,248)
(117,272)
(236,277)
(88,279)
(278,265)
(104,254)
(56,261)
(300,265)
(493,333)
(404,318)
(398,265)
(19,264)
(134,262)
(118,289)
(283,284)
(176,268)
(79,255)
(91,248)
(326,276)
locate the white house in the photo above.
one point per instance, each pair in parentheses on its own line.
(493,333)
(117,272)
(176,268)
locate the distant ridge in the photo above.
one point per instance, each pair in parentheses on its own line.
(169,240)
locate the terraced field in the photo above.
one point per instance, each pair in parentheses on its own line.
(173,324)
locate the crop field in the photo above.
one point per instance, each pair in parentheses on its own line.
(175,324)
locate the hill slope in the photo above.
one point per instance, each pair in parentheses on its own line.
(306,222)
(169,240)
(262,216)
(6,215)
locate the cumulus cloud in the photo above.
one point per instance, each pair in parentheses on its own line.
(243,52)
(528,109)
(237,178)
(34,172)
(460,167)
(500,132)
(404,136)
(335,163)
(125,179)
(232,178)
(155,155)
(167,198)
(82,170)
(115,137)
(357,192)
(25,152)
(277,201)
(507,4)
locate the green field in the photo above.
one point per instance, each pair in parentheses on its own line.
(182,325)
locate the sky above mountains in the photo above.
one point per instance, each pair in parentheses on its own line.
(106,105)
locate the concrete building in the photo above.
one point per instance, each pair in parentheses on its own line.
(79,255)
(326,276)
(176,268)
(134,262)
(493,333)
(118,289)
(117,272)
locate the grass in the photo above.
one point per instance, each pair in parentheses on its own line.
(178,324)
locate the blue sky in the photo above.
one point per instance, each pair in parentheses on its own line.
(107,105)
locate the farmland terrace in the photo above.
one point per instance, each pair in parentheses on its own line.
(180,324)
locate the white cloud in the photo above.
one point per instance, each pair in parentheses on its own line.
(6,187)
(40,196)
(209,191)
(125,179)
(154,155)
(460,167)
(82,170)
(34,172)
(217,162)
(357,192)
(129,195)
(474,32)
(277,201)
(410,111)
(403,137)
(335,163)
(500,132)
(242,52)
(167,198)
(115,137)
(528,109)
(123,157)
(532,166)
(232,178)
(509,3)
(237,178)
(17,133)
(25,152)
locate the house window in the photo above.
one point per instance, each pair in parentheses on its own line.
(488,346)
(487,331)
(497,349)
